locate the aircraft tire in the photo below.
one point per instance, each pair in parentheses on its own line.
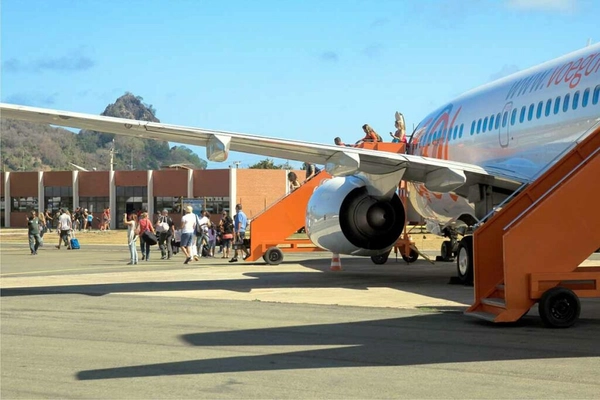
(464,260)
(559,308)
(446,251)
(273,256)
(380,259)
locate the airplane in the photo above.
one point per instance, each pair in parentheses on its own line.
(464,159)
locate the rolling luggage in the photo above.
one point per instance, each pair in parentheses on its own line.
(74,244)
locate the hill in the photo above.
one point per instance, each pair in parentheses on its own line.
(26,146)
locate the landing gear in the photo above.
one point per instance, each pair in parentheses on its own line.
(380,259)
(447,251)
(559,308)
(464,261)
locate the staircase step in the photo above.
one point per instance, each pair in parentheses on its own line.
(494,301)
(481,315)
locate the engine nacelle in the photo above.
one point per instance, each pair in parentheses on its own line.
(343,218)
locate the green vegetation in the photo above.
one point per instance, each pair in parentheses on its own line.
(26,146)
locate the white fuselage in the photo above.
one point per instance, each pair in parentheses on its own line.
(518,125)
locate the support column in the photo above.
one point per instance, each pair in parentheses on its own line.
(112,199)
(190,184)
(232,190)
(75,189)
(7,200)
(41,194)
(150,196)
(286,182)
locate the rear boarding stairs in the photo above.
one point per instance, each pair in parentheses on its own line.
(531,250)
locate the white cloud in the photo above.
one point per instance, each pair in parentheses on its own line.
(543,5)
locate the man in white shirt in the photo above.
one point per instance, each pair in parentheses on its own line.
(64,227)
(188,225)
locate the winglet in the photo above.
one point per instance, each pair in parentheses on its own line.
(217,148)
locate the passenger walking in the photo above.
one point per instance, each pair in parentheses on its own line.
(132,236)
(212,240)
(165,228)
(226,227)
(64,228)
(145,225)
(48,217)
(240,221)
(33,231)
(293,179)
(188,225)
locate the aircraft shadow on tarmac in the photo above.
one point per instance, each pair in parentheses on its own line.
(360,275)
(415,340)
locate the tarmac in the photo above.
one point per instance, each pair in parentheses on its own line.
(82,324)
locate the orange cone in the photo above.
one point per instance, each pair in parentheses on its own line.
(336,264)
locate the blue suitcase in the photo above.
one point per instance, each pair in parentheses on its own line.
(74,244)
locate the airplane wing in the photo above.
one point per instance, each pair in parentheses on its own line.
(437,175)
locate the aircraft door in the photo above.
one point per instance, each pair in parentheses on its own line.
(504,125)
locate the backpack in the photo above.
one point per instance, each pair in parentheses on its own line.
(199,229)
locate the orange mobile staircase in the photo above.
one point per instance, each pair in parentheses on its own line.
(531,250)
(270,230)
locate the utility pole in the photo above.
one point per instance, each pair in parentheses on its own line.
(112,155)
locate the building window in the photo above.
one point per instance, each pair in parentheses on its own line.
(566,102)
(575,100)
(538,113)
(513,116)
(215,205)
(24,204)
(174,205)
(548,107)
(585,98)
(94,204)
(596,95)
(557,105)
(57,197)
(130,199)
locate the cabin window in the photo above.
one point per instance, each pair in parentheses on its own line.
(596,95)
(491,122)
(473,127)
(585,98)
(566,102)
(460,132)
(575,100)
(455,132)
(548,107)
(504,118)
(485,124)
(497,121)
(513,116)
(479,126)
(522,116)
(557,105)
(530,113)
(538,113)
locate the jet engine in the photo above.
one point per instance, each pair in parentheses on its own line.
(343,218)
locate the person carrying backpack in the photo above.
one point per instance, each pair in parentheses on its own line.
(145,225)
(226,228)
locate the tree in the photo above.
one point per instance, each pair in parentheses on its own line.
(267,163)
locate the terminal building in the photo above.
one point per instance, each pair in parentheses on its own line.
(214,190)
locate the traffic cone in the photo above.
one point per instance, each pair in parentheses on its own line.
(336,264)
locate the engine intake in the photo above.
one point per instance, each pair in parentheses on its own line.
(343,218)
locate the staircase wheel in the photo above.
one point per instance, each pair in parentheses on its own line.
(273,256)
(380,259)
(559,308)
(446,251)
(411,257)
(464,261)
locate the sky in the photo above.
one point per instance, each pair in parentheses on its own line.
(305,70)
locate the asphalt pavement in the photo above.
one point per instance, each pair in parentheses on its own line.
(82,324)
